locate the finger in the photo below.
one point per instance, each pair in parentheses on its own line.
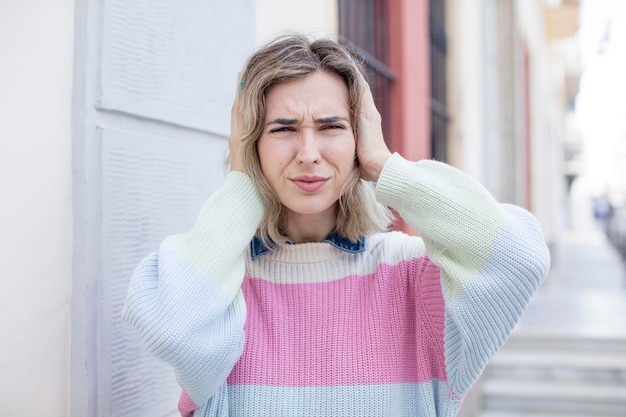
(235,138)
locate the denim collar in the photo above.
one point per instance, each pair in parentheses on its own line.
(257,248)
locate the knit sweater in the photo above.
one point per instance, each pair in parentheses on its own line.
(401,327)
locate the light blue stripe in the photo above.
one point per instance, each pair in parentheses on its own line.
(397,400)
(481,317)
(191,327)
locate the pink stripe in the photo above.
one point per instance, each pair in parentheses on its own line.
(371,329)
(186,406)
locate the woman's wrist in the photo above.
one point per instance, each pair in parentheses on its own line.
(371,171)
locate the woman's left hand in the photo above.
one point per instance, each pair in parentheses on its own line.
(371,149)
(234,140)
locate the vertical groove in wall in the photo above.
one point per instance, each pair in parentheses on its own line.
(152,187)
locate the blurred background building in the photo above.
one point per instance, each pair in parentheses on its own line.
(114,118)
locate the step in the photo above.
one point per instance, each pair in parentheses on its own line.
(560,396)
(557,375)
(562,390)
(566,359)
(550,342)
(558,358)
(492,413)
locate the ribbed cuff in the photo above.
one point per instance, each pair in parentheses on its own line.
(391,185)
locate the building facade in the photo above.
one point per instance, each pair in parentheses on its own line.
(114,119)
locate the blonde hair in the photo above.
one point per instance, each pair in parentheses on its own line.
(287,58)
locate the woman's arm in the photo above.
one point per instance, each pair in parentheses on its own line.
(492,257)
(186,300)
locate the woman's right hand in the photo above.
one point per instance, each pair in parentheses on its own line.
(371,149)
(234,140)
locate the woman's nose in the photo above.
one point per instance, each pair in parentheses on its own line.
(308,149)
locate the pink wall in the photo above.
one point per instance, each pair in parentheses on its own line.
(410,94)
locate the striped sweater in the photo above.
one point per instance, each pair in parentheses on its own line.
(403,326)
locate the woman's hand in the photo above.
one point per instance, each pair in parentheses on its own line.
(234,140)
(371,149)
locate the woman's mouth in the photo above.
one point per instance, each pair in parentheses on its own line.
(309,184)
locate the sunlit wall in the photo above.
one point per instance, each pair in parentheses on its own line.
(36,58)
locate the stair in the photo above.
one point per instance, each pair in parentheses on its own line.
(539,375)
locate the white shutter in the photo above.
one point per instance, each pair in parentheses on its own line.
(152,187)
(175,61)
(160,76)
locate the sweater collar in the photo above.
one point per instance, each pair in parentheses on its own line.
(257,248)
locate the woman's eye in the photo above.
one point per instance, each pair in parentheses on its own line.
(332,127)
(282,129)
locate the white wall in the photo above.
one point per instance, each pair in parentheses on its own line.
(545,153)
(36,46)
(466,85)
(313,18)
(469,83)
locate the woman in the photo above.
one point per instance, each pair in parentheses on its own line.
(289,298)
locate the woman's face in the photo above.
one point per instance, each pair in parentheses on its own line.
(307,148)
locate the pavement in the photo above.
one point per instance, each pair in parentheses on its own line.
(584,294)
(566,355)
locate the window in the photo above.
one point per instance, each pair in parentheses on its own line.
(438,109)
(363,28)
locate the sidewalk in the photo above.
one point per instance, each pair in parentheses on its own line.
(566,357)
(585,292)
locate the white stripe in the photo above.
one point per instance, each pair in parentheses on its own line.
(309,263)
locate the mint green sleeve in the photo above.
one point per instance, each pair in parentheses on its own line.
(186,300)
(492,257)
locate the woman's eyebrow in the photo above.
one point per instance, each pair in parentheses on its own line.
(332,119)
(284,122)
(321,120)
